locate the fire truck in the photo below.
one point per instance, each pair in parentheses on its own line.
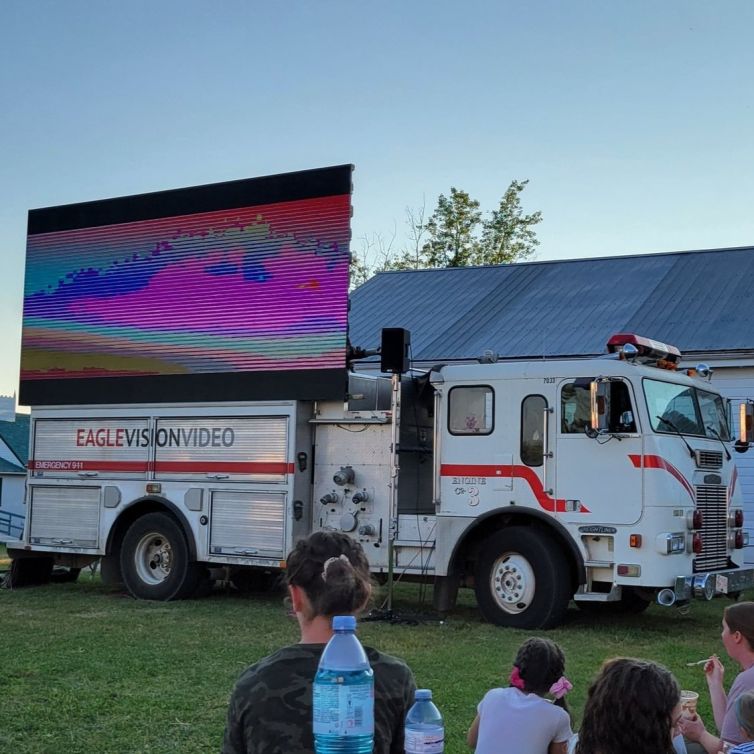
(607,480)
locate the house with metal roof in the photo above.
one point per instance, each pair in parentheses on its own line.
(702,302)
(14,454)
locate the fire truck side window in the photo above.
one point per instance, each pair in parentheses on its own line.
(575,410)
(574,407)
(621,413)
(470,410)
(532,430)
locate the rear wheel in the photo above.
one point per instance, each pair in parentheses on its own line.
(522,579)
(155,561)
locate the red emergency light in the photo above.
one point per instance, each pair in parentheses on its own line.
(647,349)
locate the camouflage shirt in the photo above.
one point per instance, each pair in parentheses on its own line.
(270,710)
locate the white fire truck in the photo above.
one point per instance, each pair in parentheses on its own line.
(607,480)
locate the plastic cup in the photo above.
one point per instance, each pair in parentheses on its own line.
(688,701)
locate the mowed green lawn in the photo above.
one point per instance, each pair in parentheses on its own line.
(88,669)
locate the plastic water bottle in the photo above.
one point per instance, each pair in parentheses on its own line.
(424,731)
(344,694)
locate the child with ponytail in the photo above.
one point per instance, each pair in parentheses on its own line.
(270,710)
(520,718)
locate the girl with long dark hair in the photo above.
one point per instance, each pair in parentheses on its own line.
(632,707)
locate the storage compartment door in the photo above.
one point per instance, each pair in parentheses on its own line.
(252,448)
(65,516)
(75,448)
(250,524)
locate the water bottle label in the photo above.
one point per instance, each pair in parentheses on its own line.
(424,742)
(343,710)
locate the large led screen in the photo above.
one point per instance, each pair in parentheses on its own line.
(233,291)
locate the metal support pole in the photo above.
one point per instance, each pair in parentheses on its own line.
(395,407)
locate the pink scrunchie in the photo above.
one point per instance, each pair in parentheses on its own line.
(516,679)
(561,687)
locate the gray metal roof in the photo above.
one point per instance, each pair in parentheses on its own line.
(695,300)
(15,435)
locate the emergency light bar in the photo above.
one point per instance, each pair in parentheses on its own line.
(648,349)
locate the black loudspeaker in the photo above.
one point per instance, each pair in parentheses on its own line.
(394,350)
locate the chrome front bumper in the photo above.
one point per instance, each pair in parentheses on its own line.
(709,585)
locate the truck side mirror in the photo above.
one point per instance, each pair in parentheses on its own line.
(745,426)
(599,404)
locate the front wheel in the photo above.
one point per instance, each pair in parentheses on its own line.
(522,579)
(155,561)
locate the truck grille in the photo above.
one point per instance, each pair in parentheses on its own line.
(709,459)
(712,501)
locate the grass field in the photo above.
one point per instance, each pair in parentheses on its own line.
(88,669)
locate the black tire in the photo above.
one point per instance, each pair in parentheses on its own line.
(155,561)
(522,579)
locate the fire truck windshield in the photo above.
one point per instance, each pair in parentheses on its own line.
(691,411)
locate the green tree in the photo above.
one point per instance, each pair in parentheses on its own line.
(452,231)
(455,235)
(508,235)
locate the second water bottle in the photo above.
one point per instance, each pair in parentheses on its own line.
(424,732)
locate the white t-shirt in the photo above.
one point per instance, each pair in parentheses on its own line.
(511,722)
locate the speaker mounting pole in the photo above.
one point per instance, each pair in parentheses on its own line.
(394,357)
(395,408)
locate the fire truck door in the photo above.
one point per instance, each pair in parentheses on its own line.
(594,479)
(475,466)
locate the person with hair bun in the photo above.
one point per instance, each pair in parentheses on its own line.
(518,718)
(632,707)
(270,710)
(738,640)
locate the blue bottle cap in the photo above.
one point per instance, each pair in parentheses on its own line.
(423,694)
(344,623)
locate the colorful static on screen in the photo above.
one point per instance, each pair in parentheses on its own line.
(258,290)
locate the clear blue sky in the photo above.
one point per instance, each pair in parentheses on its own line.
(632,119)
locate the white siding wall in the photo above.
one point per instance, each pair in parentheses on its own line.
(737,383)
(11,498)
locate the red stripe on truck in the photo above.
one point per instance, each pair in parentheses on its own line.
(227,467)
(658,462)
(505,471)
(61,464)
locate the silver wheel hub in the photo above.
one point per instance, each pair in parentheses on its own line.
(153,558)
(512,582)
